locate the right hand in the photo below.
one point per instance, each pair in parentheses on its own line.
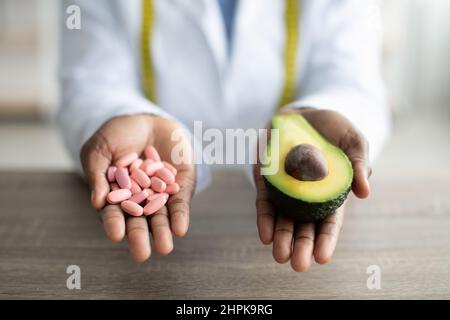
(115,138)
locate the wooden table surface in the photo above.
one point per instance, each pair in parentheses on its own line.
(46,224)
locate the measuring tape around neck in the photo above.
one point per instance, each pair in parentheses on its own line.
(291,24)
(147,68)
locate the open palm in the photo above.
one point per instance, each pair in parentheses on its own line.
(122,135)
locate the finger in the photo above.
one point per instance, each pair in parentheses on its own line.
(160,227)
(138,238)
(96,158)
(282,239)
(357,149)
(265,216)
(361,186)
(303,247)
(265,220)
(179,203)
(113,222)
(327,236)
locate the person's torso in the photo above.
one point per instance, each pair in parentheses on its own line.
(197,79)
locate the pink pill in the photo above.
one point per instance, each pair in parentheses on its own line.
(173,188)
(136,164)
(146,161)
(141,178)
(157,195)
(132,208)
(150,192)
(139,197)
(114,186)
(122,178)
(165,175)
(111,173)
(127,159)
(170,167)
(158,185)
(135,188)
(151,168)
(151,153)
(155,204)
(119,195)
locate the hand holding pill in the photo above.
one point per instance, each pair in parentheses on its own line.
(139,191)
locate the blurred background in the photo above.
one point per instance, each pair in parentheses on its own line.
(416,68)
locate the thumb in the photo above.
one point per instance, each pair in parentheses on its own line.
(361,186)
(96,158)
(357,150)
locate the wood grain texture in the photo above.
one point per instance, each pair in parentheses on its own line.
(46,224)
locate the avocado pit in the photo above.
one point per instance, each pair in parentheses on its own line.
(305,162)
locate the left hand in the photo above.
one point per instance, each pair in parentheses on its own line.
(301,242)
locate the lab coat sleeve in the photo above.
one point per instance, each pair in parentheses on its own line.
(99,75)
(342,70)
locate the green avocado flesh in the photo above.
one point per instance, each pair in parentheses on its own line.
(305,200)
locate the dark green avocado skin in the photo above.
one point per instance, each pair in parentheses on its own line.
(300,210)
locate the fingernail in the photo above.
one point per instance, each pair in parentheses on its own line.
(367,187)
(92,196)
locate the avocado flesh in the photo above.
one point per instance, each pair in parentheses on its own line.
(306,200)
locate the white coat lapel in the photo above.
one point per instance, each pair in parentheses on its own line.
(206,15)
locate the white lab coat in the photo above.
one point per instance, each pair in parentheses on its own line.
(338,65)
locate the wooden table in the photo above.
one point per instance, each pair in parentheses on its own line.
(46,224)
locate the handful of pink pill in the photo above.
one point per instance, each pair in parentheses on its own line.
(141,186)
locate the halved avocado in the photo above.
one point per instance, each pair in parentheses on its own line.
(306,200)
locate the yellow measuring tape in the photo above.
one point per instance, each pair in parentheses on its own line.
(292,20)
(291,25)
(147,68)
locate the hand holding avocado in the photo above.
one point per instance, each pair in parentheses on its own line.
(321,157)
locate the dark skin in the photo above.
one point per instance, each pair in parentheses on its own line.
(298,242)
(116,138)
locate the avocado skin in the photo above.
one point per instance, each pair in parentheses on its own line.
(301,210)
